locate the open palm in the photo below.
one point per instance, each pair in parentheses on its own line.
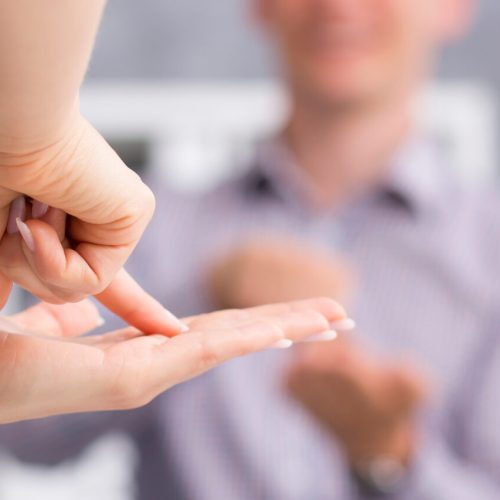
(47,369)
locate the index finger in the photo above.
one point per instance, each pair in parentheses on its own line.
(125,297)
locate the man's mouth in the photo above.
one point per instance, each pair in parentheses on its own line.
(340,38)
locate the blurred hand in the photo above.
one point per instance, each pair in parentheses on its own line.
(45,370)
(277,271)
(367,404)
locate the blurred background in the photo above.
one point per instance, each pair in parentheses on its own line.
(212,53)
(160,72)
(195,56)
(197,40)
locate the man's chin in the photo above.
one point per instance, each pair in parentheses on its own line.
(340,96)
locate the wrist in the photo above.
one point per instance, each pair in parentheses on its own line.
(399,444)
(380,476)
(27,137)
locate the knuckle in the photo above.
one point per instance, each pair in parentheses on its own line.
(102,281)
(135,213)
(49,274)
(142,205)
(62,295)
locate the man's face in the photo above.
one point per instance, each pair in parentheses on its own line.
(342,51)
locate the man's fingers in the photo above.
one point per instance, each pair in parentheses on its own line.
(128,300)
(65,320)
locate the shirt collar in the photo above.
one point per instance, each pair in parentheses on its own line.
(414,180)
(418,174)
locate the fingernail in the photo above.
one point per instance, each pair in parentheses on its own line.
(26,234)
(282,344)
(173,318)
(182,326)
(322,337)
(17,211)
(344,325)
(100,322)
(38,209)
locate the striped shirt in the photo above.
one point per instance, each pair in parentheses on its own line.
(427,253)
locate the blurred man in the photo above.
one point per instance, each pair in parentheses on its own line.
(406,407)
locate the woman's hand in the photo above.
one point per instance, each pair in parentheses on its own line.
(108,207)
(50,156)
(45,370)
(61,258)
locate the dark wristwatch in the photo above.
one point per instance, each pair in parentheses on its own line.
(379,477)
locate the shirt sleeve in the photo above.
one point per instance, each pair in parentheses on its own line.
(439,473)
(49,441)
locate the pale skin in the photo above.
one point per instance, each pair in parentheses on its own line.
(52,372)
(70,215)
(52,155)
(353,67)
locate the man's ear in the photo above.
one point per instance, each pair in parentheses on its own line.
(456,18)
